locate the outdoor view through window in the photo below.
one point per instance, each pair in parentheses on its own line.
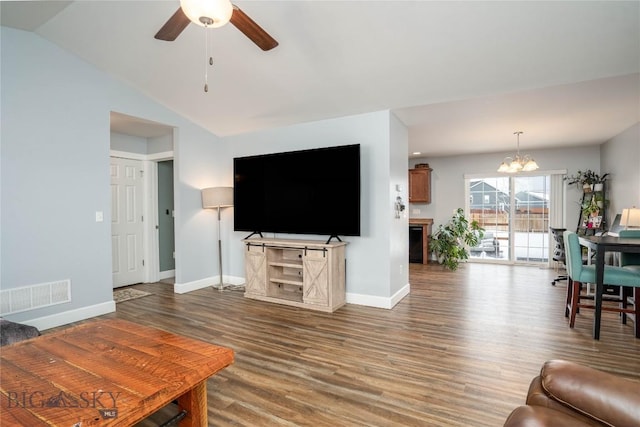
(514,211)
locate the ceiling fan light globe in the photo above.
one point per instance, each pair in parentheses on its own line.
(209,13)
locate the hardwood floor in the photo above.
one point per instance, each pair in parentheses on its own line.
(460,350)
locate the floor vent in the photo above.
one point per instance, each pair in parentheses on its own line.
(34,296)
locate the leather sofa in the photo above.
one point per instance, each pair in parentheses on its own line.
(566,394)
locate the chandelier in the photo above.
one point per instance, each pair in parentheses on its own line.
(518,163)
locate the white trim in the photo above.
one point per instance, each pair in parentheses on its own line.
(155,157)
(158,157)
(152,264)
(166,274)
(182,288)
(127,155)
(70,316)
(358,299)
(378,302)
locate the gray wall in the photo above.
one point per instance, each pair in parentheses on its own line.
(620,156)
(55,142)
(140,145)
(448,178)
(368,265)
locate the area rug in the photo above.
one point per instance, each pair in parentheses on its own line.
(121,295)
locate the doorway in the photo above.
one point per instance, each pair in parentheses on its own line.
(149,145)
(514,211)
(166,237)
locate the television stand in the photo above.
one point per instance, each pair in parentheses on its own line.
(332,236)
(255,232)
(301,273)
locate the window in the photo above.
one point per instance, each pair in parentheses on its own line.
(514,212)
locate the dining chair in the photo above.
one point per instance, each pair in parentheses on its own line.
(558,252)
(630,260)
(613,275)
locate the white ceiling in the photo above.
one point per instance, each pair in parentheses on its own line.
(462,75)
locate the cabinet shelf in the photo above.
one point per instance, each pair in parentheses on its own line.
(286,264)
(287,281)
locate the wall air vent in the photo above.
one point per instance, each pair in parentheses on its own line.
(34,296)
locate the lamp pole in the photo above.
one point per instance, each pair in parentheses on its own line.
(218,198)
(220,252)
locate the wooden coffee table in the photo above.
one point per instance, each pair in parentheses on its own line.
(107,372)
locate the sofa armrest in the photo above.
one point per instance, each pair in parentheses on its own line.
(539,398)
(603,396)
(538,416)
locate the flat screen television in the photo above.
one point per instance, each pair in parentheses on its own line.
(313,191)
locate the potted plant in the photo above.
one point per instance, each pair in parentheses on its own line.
(450,241)
(590,208)
(598,198)
(598,185)
(587,180)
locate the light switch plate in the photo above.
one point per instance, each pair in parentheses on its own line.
(99,216)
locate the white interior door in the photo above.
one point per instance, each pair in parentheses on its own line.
(126,221)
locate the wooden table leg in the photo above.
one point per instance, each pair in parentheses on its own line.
(195,403)
(599,291)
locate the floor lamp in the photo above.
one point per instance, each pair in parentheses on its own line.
(217,198)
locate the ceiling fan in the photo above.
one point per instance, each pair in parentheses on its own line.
(214,13)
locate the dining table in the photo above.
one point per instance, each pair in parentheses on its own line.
(602,245)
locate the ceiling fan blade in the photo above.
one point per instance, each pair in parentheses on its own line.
(252,30)
(173,27)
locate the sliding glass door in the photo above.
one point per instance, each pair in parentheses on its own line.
(514,211)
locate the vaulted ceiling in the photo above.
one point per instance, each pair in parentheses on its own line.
(462,75)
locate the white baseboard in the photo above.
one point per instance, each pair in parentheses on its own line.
(351,298)
(66,317)
(378,302)
(181,288)
(166,274)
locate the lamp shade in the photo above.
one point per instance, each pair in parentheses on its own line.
(213,13)
(214,197)
(630,217)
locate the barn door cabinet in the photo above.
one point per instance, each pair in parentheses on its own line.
(420,185)
(302,273)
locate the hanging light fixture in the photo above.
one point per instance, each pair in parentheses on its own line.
(209,13)
(518,163)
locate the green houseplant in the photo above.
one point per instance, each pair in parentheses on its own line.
(450,241)
(590,207)
(586,179)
